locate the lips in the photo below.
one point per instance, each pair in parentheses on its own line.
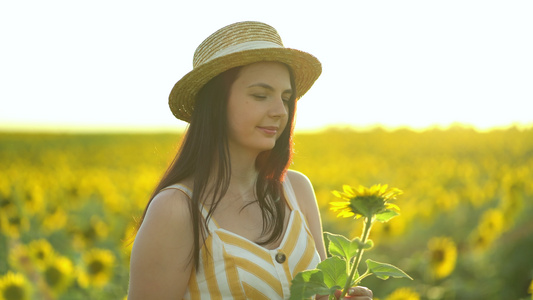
(270,130)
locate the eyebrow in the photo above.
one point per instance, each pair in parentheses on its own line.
(268,87)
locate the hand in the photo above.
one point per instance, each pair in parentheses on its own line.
(356,293)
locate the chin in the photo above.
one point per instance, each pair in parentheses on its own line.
(266,146)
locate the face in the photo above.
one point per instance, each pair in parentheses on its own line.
(258,106)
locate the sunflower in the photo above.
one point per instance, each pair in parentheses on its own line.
(490,228)
(403,294)
(19,258)
(40,252)
(14,286)
(97,269)
(6,200)
(492,223)
(480,241)
(12,222)
(58,274)
(55,220)
(365,202)
(86,236)
(443,256)
(33,199)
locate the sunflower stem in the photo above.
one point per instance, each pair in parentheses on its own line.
(360,278)
(364,237)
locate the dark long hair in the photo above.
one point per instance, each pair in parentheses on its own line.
(205,144)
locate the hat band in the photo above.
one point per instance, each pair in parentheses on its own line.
(252,45)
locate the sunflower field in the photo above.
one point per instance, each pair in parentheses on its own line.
(69,205)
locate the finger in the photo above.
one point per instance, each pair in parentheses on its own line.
(360,291)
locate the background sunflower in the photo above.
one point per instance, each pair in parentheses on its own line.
(14,286)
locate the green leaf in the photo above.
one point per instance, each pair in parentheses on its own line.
(386,215)
(341,246)
(384,271)
(368,245)
(334,270)
(307,284)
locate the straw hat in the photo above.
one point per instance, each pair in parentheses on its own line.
(236,45)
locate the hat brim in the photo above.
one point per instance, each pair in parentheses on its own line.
(305,67)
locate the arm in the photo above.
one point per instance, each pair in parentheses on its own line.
(160,264)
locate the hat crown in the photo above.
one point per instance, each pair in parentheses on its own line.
(227,40)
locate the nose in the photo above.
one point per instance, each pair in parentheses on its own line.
(279,108)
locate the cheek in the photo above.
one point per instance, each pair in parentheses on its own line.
(284,125)
(239,116)
(286,117)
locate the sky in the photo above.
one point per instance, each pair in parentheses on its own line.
(110,65)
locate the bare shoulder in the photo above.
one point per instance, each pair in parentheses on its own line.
(160,264)
(299,179)
(303,189)
(170,203)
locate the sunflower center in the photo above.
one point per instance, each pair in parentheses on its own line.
(90,234)
(53,276)
(40,255)
(29,197)
(14,221)
(438,256)
(14,292)
(4,202)
(96,267)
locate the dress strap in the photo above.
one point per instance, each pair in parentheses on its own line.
(187,191)
(289,194)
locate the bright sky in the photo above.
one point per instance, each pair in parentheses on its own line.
(99,64)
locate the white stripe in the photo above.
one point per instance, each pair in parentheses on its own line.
(299,249)
(252,45)
(258,283)
(249,256)
(220,267)
(200,280)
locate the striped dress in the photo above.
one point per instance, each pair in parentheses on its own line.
(238,268)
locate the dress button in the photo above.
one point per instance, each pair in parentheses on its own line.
(280,257)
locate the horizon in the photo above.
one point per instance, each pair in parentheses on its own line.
(50,129)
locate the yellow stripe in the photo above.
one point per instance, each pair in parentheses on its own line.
(291,241)
(232,276)
(209,271)
(252,293)
(245,244)
(194,291)
(307,256)
(251,267)
(292,235)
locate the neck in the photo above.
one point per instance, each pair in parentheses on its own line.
(243,173)
(243,177)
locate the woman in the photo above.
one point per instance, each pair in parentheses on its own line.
(228,220)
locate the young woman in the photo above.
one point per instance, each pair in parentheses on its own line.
(228,219)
